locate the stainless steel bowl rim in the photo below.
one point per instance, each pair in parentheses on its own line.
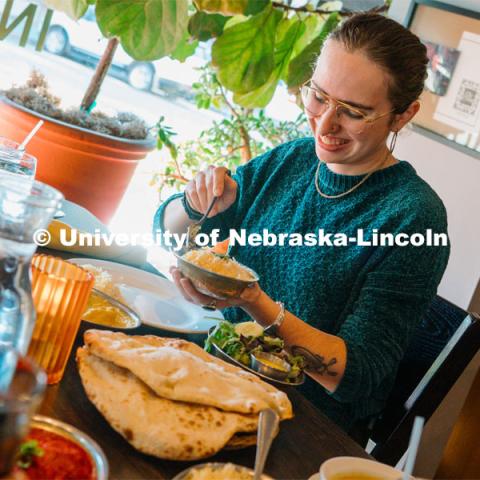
(224,356)
(258,361)
(111,327)
(79,437)
(216,466)
(223,277)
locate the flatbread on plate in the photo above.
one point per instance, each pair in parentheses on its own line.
(154,425)
(182,371)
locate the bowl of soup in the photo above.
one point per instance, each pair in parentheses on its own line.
(354,468)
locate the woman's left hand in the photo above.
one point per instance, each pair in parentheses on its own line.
(249,296)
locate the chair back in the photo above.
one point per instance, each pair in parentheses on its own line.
(425,378)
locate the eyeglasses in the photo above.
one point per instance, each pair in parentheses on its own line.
(316,103)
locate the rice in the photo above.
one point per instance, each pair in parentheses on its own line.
(228,471)
(220,264)
(104,282)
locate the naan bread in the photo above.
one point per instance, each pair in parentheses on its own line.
(241,441)
(154,425)
(182,371)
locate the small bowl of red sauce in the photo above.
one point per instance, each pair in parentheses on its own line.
(68,453)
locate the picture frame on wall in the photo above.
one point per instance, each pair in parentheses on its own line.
(450,104)
(441,66)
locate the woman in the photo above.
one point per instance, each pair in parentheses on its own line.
(354,307)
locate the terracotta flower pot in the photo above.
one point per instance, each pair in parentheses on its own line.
(89,168)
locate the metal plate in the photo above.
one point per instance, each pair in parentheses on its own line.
(83,440)
(224,356)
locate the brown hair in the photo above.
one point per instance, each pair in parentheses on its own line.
(391,46)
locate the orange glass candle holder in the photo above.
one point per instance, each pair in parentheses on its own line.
(60,293)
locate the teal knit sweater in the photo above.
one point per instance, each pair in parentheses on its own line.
(372,297)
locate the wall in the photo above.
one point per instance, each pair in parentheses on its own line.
(455,176)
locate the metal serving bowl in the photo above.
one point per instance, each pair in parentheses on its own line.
(219,353)
(259,364)
(76,436)
(217,466)
(213,284)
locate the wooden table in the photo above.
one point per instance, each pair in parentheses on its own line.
(301,446)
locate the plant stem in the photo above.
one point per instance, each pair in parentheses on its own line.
(180,178)
(246,150)
(379,9)
(99,75)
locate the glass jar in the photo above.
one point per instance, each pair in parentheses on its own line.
(16,161)
(26,208)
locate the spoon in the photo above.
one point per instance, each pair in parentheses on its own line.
(194,228)
(267,429)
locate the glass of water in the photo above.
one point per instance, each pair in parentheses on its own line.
(26,208)
(13,160)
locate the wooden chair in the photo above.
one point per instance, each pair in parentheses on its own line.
(446,341)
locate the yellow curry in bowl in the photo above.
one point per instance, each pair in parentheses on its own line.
(99,310)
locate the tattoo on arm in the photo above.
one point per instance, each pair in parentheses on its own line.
(315,362)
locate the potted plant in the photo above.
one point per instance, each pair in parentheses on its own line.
(243,134)
(258,44)
(86,155)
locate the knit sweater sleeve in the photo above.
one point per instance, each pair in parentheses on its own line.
(394,296)
(251,178)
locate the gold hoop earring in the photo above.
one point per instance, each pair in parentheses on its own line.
(393,141)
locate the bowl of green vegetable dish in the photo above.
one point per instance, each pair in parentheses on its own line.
(243,344)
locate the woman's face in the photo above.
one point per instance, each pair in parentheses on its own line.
(356,80)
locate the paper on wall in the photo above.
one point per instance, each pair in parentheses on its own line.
(460,108)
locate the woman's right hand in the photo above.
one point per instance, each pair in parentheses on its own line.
(209,183)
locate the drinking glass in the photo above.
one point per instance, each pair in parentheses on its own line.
(16,161)
(26,207)
(22,385)
(60,294)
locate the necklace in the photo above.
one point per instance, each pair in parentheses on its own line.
(363,180)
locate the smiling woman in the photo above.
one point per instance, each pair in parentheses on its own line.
(352,309)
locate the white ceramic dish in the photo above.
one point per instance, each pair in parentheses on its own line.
(155,299)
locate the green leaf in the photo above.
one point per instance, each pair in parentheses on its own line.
(185,48)
(301,67)
(232,21)
(226,7)
(73,8)
(244,54)
(147,29)
(28,450)
(313,26)
(255,6)
(204,26)
(288,32)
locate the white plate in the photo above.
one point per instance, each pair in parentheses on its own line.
(156,300)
